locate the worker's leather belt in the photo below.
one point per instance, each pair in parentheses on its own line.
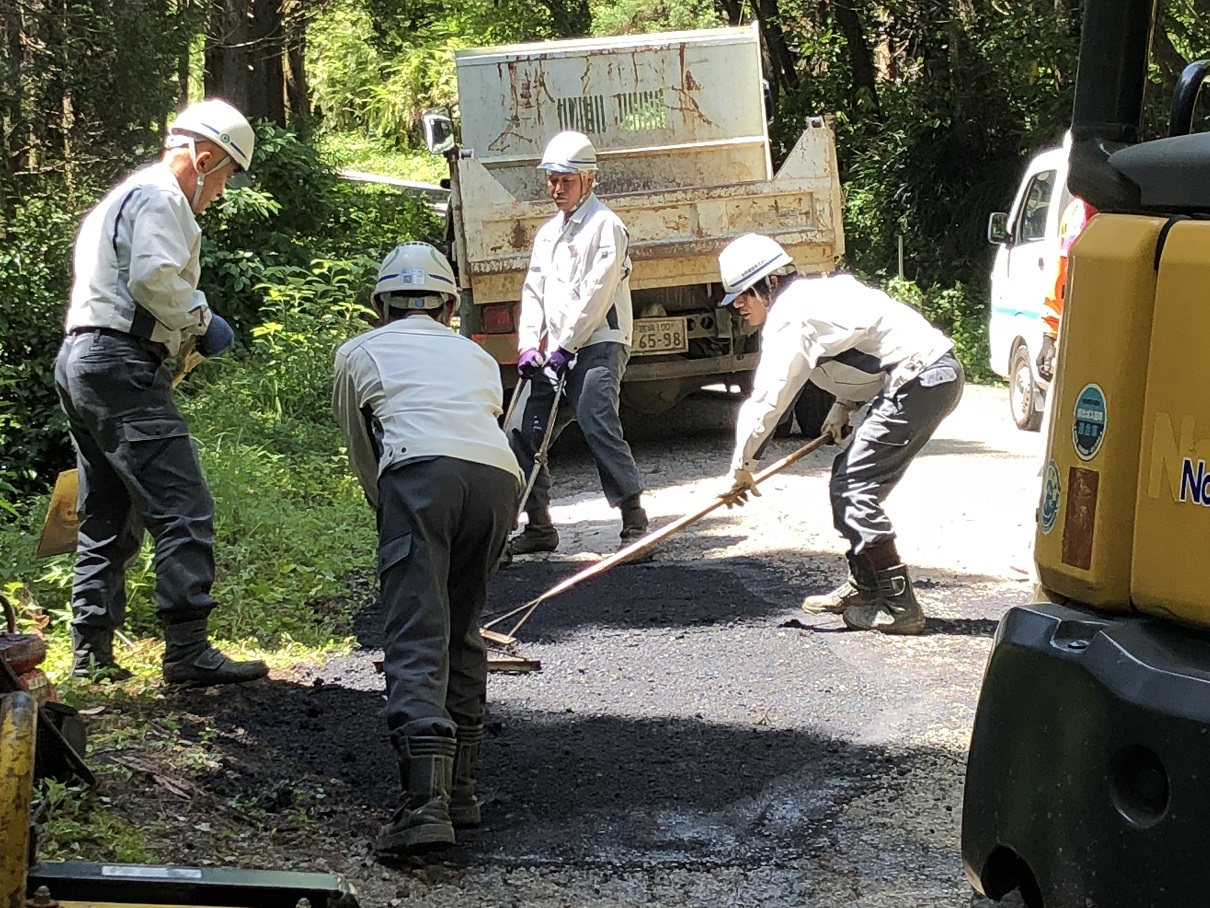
(149,345)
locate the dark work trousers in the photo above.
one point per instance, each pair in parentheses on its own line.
(590,397)
(137,468)
(442,524)
(892,434)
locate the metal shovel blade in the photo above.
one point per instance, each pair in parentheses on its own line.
(62,524)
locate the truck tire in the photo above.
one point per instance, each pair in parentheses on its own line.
(812,408)
(1023,391)
(653,397)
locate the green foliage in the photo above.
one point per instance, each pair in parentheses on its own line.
(961,315)
(299,210)
(354,151)
(78,822)
(376,65)
(85,87)
(628,17)
(35,270)
(311,312)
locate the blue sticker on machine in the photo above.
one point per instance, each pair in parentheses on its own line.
(1091,415)
(1048,510)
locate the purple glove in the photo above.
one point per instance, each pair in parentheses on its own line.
(558,361)
(530,364)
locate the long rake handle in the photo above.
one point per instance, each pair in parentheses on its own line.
(650,540)
(541,456)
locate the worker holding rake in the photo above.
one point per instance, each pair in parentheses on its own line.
(862,346)
(574,342)
(435,465)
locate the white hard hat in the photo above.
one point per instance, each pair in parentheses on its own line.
(222,124)
(569,152)
(414,276)
(746,260)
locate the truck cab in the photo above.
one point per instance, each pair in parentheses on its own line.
(679,123)
(1027,247)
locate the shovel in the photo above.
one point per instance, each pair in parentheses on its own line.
(61,527)
(634,550)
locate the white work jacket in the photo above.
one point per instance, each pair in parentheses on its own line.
(577,291)
(850,339)
(137,262)
(414,389)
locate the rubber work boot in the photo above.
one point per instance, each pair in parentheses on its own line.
(421,823)
(539,535)
(190,659)
(634,518)
(896,610)
(92,657)
(464,806)
(859,589)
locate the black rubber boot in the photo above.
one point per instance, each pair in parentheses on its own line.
(539,535)
(895,612)
(464,806)
(421,823)
(634,518)
(92,657)
(190,659)
(860,589)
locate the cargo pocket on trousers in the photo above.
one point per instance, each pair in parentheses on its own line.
(393,552)
(147,438)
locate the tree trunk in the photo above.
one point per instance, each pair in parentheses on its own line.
(731,10)
(14,140)
(570,18)
(244,58)
(783,71)
(861,58)
(298,92)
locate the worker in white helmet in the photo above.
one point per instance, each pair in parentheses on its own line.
(434,463)
(862,346)
(576,323)
(134,303)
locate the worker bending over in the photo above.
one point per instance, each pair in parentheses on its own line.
(419,406)
(575,326)
(134,304)
(860,345)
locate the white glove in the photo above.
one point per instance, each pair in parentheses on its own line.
(836,423)
(743,483)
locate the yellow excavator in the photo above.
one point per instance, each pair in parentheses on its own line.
(1088,778)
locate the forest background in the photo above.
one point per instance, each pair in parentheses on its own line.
(937,105)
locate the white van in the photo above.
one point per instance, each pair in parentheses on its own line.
(1028,241)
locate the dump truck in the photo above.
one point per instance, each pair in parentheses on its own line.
(679,123)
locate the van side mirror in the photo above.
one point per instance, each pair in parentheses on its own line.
(997,228)
(438,131)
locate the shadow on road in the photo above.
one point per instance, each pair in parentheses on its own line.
(558,787)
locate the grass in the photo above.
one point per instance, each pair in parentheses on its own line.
(349,151)
(295,544)
(292,527)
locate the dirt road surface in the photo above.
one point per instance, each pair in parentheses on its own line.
(694,738)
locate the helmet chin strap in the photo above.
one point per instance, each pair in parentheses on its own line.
(584,193)
(201,174)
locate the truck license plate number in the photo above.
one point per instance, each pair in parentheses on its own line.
(661,335)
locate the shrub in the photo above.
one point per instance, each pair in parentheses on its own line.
(961,315)
(35,275)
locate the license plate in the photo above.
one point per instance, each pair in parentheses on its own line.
(660,335)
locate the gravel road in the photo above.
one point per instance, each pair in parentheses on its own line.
(694,739)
